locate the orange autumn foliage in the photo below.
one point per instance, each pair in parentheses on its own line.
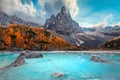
(24,46)
(19,39)
(7,40)
(22,36)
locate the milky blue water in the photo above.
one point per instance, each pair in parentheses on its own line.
(75,66)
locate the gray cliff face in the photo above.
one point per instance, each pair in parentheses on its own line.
(63,24)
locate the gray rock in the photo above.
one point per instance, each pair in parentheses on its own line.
(58,74)
(19,61)
(98,59)
(33,55)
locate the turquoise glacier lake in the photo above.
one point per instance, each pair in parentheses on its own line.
(74,66)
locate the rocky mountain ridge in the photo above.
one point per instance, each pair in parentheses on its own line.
(6,20)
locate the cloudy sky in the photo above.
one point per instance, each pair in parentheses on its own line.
(88,13)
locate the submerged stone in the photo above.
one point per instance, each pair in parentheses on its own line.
(98,59)
(58,74)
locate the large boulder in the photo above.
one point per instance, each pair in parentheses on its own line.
(19,61)
(21,58)
(33,55)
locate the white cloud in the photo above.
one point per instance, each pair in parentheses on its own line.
(28,9)
(52,7)
(102,24)
(118,24)
(72,7)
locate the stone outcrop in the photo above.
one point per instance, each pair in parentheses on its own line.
(21,58)
(33,55)
(63,24)
(19,61)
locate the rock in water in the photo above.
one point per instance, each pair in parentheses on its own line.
(19,61)
(98,59)
(33,55)
(63,24)
(56,74)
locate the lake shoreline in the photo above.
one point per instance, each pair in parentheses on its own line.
(75,52)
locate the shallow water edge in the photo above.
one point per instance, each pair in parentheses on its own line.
(75,52)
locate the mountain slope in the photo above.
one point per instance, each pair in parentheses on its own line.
(113,43)
(15,37)
(91,39)
(112,31)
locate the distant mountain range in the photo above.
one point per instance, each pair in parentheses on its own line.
(102,29)
(108,30)
(88,29)
(6,20)
(111,30)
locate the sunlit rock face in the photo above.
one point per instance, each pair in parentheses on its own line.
(63,24)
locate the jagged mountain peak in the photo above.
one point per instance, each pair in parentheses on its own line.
(62,23)
(63,10)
